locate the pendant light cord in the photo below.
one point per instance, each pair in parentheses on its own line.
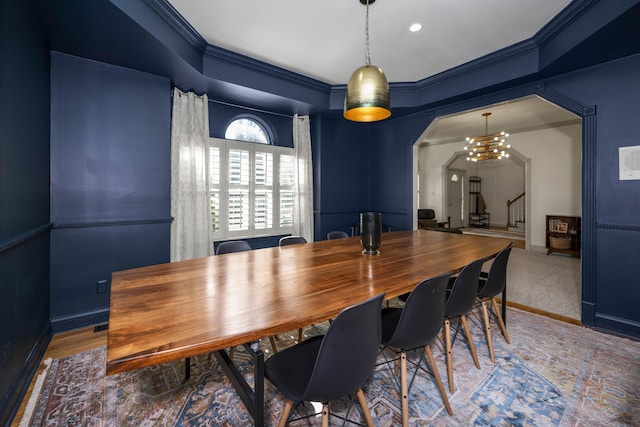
(366,35)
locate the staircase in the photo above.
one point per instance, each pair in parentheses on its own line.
(516,214)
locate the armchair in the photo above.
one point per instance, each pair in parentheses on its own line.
(427,219)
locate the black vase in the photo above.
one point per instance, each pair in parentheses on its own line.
(371,228)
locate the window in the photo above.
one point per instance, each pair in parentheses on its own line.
(252,189)
(247,129)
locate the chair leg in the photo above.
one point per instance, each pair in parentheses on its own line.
(231,352)
(436,375)
(299,334)
(365,408)
(325,415)
(273,344)
(404,389)
(396,366)
(487,331)
(288,404)
(447,340)
(472,348)
(503,328)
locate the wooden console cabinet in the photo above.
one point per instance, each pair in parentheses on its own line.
(563,234)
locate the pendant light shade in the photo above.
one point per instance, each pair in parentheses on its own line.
(367,98)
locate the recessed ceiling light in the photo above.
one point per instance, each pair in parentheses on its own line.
(415,27)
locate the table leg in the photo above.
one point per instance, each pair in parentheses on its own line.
(253,399)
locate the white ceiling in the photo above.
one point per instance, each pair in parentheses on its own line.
(325,40)
(518,115)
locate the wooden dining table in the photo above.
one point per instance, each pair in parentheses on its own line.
(172,311)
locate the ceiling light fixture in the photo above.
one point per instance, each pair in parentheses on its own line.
(415,27)
(367,98)
(487,147)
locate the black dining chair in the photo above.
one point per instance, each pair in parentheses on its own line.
(291,240)
(233,246)
(338,234)
(491,285)
(327,367)
(460,299)
(415,326)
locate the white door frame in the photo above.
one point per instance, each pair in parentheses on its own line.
(445,193)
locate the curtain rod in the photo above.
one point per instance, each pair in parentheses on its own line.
(245,107)
(249,108)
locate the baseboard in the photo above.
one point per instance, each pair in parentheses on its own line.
(68,323)
(15,394)
(542,313)
(588,313)
(618,326)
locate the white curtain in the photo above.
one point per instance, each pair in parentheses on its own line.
(303,223)
(190,199)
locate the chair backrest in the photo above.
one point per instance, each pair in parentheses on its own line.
(497,278)
(464,290)
(339,234)
(291,240)
(422,315)
(348,352)
(232,246)
(426,214)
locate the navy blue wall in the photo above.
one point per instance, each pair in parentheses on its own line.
(110,181)
(109,130)
(614,89)
(24,201)
(341,174)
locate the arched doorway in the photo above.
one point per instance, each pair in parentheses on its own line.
(542,139)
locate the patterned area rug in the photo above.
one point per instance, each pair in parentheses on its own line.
(552,374)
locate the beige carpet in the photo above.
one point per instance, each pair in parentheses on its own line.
(550,283)
(547,282)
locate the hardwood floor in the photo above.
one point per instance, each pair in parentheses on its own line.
(61,345)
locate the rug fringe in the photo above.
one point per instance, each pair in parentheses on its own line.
(35,394)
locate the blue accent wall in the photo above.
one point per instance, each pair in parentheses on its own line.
(85,150)
(110,181)
(614,89)
(341,174)
(24,201)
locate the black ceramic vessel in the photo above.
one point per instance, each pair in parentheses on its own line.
(370,231)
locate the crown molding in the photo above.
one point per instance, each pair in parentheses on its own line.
(178,23)
(562,20)
(216,53)
(499,56)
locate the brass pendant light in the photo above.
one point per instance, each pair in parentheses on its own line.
(367,98)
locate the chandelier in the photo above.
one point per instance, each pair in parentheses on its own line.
(487,147)
(367,98)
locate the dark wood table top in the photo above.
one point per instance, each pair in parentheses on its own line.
(171,311)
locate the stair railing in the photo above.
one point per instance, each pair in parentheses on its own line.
(516,210)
